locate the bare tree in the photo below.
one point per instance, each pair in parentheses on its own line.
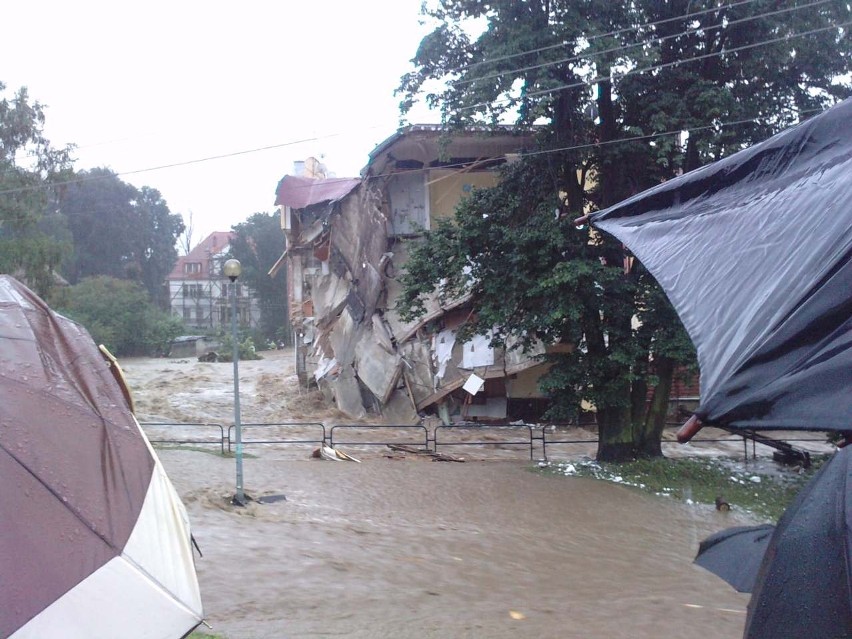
(185,238)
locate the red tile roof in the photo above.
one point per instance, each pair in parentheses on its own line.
(212,245)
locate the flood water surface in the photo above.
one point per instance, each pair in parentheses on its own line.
(405,547)
(413,548)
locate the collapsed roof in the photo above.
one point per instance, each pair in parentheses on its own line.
(301,192)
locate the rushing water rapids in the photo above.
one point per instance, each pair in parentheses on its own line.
(405,547)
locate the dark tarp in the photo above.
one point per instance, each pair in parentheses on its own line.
(800,571)
(754,253)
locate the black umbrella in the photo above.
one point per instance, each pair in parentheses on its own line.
(804,585)
(754,253)
(735,554)
(800,571)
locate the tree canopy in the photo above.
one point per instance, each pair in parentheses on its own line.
(623,95)
(258,244)
(78,225)
(119,314)
(29,166)
(119,230)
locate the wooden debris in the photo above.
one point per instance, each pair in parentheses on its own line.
(421,452)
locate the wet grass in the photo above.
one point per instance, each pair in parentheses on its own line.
(763,490)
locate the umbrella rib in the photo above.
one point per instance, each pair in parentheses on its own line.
(158,584)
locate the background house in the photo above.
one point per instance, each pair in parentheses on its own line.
(200,295)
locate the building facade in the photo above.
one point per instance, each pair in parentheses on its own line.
(199,294)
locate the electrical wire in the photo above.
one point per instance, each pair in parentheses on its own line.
(533,67)
(657,67)
(475,106)
(555,46)
(167,166)
(644,43)
(649,136)
(597,36)
(579,147)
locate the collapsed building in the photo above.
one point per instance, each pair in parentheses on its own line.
(347,241)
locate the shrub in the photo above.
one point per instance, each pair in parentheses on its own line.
(118,314)
(246,347)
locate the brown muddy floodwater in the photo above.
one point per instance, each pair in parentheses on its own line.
(412,548)
(405,547)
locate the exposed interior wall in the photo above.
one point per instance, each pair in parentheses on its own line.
(524,384)
(409,206)
(347,258)
(447,187)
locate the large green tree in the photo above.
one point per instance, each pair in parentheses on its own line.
(258,244)
(625,95)
(120,231)
(119,314)
(29,167)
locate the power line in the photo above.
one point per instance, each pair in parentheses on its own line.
(643,43)
(648,136)
(579,147)
(508,99)
(447,166)
(590,38)
(168,166)
(656,67)
(600,35)
(491,61)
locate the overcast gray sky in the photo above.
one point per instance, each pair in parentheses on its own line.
(142,85)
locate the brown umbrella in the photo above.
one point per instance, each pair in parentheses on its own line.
(92,535)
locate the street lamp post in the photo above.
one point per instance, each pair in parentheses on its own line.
(232,270)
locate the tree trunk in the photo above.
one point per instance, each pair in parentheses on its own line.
(615,436)
(655,421)
(568,182)
(638,397)
(692,159)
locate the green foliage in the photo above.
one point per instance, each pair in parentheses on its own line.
(247,348)
(119,231)
(603,135)
(118,314)
(29,166)
(82,225)
(258,244)
(532,275)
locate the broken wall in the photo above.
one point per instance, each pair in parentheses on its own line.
(355,361)
(366,358)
